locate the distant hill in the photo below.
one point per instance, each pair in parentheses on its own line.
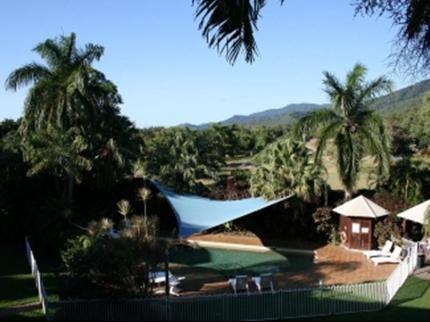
(397,101)
(402,99)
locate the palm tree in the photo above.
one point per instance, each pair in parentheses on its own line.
(124,209)
(356,130)
(284,167)
(144,194)
(64,90)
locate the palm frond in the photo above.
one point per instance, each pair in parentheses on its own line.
(50,51)
(229,26)
(355,77)
(312,122)
(25,75)
(381,85)
(328,133)
(335,90)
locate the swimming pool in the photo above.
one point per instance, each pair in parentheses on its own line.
(229,262)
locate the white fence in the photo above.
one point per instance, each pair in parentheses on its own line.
(37,276)
(282,304)
(402,271)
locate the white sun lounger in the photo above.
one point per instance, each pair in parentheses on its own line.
(239,284)
(392,259)
(159,277)
(385,251)
(264,282)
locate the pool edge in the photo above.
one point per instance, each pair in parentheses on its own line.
(203,243)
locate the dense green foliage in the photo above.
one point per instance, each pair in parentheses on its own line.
(408,178)
(287,167)
(327,223)
(179,158)
(415,122)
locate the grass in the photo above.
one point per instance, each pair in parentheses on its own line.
(17,285)
(411,303)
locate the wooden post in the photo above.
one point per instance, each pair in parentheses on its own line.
(166,266)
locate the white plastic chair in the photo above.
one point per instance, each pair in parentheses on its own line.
(239,284)
(264,282)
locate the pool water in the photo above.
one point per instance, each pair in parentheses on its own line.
(234,262)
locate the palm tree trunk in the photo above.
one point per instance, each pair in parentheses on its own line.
(144,205)
(70,189)
(348,193)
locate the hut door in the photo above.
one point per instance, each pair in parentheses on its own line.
(360,233)
(365,238)
(355,233)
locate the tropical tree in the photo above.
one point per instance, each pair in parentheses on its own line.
(60,153)
(354,128)
(284,167)
(65,89)
(67,92)
(407,179)
(177,158)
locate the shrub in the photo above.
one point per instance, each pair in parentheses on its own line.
(387,229)
(100,264)
(326,224)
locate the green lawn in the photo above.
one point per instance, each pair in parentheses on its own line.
(411,303)
(17,286)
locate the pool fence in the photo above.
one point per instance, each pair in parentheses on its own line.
(281,304)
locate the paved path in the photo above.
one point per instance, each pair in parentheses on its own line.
(423,273)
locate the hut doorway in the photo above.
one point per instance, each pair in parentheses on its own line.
(361,233)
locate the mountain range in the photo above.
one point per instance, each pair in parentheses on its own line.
(394,102)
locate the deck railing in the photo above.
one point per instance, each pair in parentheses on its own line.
(282,304)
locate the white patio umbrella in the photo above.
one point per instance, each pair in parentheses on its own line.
(417,213)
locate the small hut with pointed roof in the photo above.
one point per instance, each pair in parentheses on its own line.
(357,222)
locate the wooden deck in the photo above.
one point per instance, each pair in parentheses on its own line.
(333,265)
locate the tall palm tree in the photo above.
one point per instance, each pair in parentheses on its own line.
(284,167)
(355,129)
(65,89)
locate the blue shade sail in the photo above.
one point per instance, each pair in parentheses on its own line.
(195,214)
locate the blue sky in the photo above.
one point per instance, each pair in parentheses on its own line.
(167,75)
